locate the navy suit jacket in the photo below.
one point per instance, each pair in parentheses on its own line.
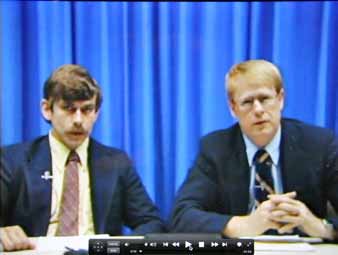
(118,196)
(217,186)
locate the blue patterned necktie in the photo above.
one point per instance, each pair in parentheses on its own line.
(263,178)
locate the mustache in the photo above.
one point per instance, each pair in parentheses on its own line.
(77,130)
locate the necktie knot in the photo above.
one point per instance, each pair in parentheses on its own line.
(73,157)
(262,157)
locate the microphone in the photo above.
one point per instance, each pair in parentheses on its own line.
(46,176)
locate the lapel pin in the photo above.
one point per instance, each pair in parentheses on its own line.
(46,176)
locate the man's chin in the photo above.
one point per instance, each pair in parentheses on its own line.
(72,145)
(262,136)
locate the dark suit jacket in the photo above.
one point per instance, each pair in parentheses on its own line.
(118,196)
(217,186)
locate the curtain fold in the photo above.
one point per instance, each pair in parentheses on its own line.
(161,66)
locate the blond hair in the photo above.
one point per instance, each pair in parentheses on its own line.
(253,72)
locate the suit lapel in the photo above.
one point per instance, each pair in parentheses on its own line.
(39,189)
(294,161)
(237,173)
(102,181)
(240,199)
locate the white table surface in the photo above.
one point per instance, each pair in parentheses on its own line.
(55,246)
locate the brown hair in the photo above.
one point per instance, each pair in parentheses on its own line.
(254,72)
(70,83)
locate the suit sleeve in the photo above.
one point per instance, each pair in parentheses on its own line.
(5,184)
(198,207)
(331,167)
(140,213)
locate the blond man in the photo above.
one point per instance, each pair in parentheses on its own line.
(264,174)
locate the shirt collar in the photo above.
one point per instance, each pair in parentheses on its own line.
(82,151)
(272,147)
(61,151)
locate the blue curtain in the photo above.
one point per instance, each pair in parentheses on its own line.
(161,66)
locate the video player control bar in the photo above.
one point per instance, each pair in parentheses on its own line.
(191,247)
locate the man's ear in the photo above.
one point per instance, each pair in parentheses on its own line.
(46,109)
(281,97)
(231,105)
(97,114)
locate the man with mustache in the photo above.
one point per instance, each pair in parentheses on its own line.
(264,174)
(102,180)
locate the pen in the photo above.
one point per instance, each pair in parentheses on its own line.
(71,251)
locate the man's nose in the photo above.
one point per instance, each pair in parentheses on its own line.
(257,106)
(78,116)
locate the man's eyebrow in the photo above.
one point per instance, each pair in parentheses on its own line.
(246,97)
(255,96)
(65,103)
(88,105)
